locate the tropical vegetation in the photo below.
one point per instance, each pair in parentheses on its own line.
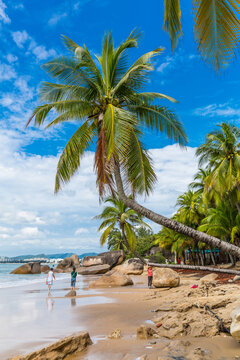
(117,216)
(211,204)
(108,98)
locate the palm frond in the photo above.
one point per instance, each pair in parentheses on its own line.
(217,30)
(69,161)
(172,21)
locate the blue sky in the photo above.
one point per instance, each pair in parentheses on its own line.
(32,219)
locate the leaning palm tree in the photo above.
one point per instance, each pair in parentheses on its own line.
(118,215)
(108,98)
(216,28)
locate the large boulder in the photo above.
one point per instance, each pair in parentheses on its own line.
(71,345)
(165,277)
(69,262)
(29,268)
(75,260)
(45,268)
(131,267)
(111,279)
(112,258)
(235,325)
(93,270)
(92,261)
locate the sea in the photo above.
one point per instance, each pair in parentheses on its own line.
(8,280)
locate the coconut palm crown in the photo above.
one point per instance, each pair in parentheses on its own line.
(105,96)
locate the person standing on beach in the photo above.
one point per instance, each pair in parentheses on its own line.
(150,276)
(73,278)
(49,280)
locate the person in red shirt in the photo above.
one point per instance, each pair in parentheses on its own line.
(150,276)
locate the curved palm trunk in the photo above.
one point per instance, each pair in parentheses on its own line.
(172,224)
(127,245)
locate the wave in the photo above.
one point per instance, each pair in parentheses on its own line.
(22,282)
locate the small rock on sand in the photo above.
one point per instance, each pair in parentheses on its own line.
(144,332)
(209,278)
(71,293)
(116,334)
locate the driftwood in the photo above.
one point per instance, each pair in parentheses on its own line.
(192,267)
(223,328)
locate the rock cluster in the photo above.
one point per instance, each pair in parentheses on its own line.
(70,345)
(29,268)
(69,262)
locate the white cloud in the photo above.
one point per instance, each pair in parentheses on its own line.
(81,231)
(223,110)
(55,18)
(29,232)
(3,16)
(178,59)
(41,52)
(42,222)
(20,37)
(7,72)
(11,58)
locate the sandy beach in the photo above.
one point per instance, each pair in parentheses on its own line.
(30,321)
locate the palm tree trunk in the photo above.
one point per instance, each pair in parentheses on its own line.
(128,247)
(170,223)
(212,257)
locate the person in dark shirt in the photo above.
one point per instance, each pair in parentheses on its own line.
(73,278)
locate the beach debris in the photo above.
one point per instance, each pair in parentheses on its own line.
(158,325)
(223,328)
(194,286)
(144,332)
(116,334)
(71,293)
(112,279)
(165,277)
(70,345)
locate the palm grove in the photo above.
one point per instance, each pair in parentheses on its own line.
(106,96)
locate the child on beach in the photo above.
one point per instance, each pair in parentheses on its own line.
(150,276)
(49,280)
(73,278)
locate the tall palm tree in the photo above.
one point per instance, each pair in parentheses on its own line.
(221,153)
(117,215)
(107,97)
(189,212)
(216,28)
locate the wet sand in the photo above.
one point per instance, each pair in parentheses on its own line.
(30,320)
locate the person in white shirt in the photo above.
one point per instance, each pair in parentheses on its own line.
(49,280)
